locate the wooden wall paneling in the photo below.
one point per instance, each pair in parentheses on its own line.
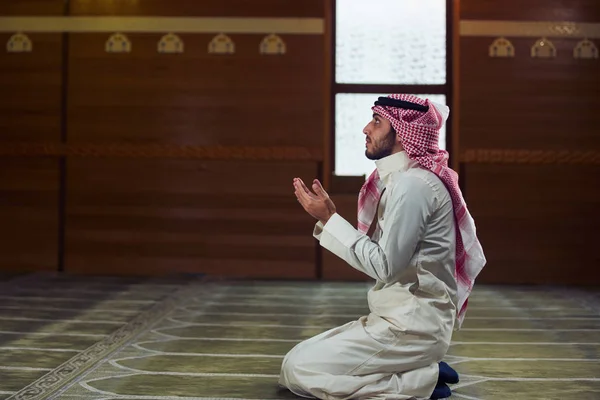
(528,103)
(536,220)
(30,90)
(197,98)
(28,210)
(144,98)
(32,7)
(192,99)
(145,217)
(30,104)
(204,8)
(531,10)
(537,223)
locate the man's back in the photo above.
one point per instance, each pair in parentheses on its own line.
(420,293)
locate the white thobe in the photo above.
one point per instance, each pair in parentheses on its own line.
(393,352)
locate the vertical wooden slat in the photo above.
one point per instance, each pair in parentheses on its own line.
(62,162)
(455,84)
(329,75)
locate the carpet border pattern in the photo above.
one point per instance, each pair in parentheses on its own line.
(52,382)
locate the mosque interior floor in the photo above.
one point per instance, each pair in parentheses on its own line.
(103,338)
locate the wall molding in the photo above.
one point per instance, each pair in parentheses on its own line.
(515,156)
(298,26)
(274,153)
(530,29)
(38,149)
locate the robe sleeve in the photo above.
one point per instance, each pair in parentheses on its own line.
(407,211)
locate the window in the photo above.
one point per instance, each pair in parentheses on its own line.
(383,47)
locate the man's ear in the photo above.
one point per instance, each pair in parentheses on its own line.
(399,144)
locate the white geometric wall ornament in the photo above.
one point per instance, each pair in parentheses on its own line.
(585,49)
(272,44)
(118,43)
(221,44)
(19,43)
(501,47)
(170,43)
(543,48)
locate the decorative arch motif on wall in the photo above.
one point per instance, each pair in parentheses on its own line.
(221,44)
(118,43)
(501,47)
(585,49)
(543,48)
(272,44)
(19,43)
(171,44)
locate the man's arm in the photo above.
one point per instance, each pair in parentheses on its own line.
(407,211)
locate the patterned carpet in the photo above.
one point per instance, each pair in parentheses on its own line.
(115,338)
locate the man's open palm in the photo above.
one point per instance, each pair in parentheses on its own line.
(317,204)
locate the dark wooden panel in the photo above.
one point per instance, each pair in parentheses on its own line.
(197,98)
(527,103)
(333,267)
(29,214)
(173,216)
(30,90)
(204,8)
(536,223)
(531,10)
(32,7)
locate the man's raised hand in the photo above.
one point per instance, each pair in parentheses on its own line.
(317,204)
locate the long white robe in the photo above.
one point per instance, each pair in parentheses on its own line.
(393,352)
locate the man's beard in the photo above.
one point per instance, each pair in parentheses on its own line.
(383,147)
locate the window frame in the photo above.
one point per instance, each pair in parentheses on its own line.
(335,88)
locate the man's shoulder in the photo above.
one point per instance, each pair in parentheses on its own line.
(414,177)
(417,181)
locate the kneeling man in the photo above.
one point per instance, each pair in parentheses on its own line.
(417,240)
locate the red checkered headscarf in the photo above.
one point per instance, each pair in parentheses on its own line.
(418,130)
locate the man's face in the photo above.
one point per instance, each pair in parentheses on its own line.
(380,138)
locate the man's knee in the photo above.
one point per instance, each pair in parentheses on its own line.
(291,363)
(292,376)
(285,364)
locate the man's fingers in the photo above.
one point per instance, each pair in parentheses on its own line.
(298,196)
(319,189)
(301,194)
(302,187)
(310,194)
(301,199)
